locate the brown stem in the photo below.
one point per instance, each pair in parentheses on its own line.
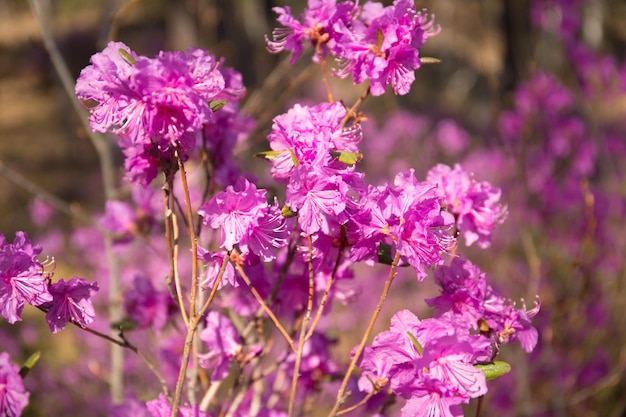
(352,112)
(341,396)
(265,307)
(192,237)
(329,284)
(303,329)
(320,56)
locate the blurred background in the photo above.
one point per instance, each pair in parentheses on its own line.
(529,95)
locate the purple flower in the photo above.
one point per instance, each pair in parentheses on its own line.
(154,104)
(317,199)
(307,135)
(223,342)
(385,47)
(408,216)
(245,219)
(13,396)
(429,363)
(319,25)
(475,205)
(463,291)
(147,306)
(71,302)
(214,261)
(22,279)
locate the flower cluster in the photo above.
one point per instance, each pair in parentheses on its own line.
(466,296)
(245,219)
(407,216)
(431,362)
(475,205)
(372,42)
(428,362)
(155,105)
(24,281)
(22,278)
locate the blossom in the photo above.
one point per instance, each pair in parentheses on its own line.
(429,363)
(215,261)
(318,25)
(223,342)
(307,135)
(476,205)
(13,395)
(71,302)
(146,306)
(384,47)
(408,216)
(463,291)
(21,277)
(245,219)
(154,104)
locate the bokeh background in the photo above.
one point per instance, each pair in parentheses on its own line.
(529,95)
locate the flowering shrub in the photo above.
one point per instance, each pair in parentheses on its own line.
(227,286)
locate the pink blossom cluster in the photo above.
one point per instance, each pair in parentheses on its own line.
(371,42)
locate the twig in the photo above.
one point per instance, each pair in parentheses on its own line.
(116,378)
(62,206)
(341,394)
(265,307)
(329,284)
(303,329)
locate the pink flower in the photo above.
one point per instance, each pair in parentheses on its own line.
(245,219)
(21,277)
(13,395)
(71,302)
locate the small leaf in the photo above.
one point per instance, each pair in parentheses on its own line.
(90,104)
(29,363)
(429,60)
(417,344)
(124,324)
(346,157)
(493,370)
(268,155)
(215,105)
(294,158)
(126,56)
(286,212)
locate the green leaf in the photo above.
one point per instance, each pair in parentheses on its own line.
(346,157)
(90,104)
(286,212)
(268,155)
(215,105)
(294,158)
(493,370)
(429,60)
(124,324)
(126,56)
(29,363)
(417,344)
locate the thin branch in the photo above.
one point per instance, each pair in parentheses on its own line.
(329,284)
(192,236)
(341,393)
(108,173)
(71,210)
(265,307)
(303,329)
